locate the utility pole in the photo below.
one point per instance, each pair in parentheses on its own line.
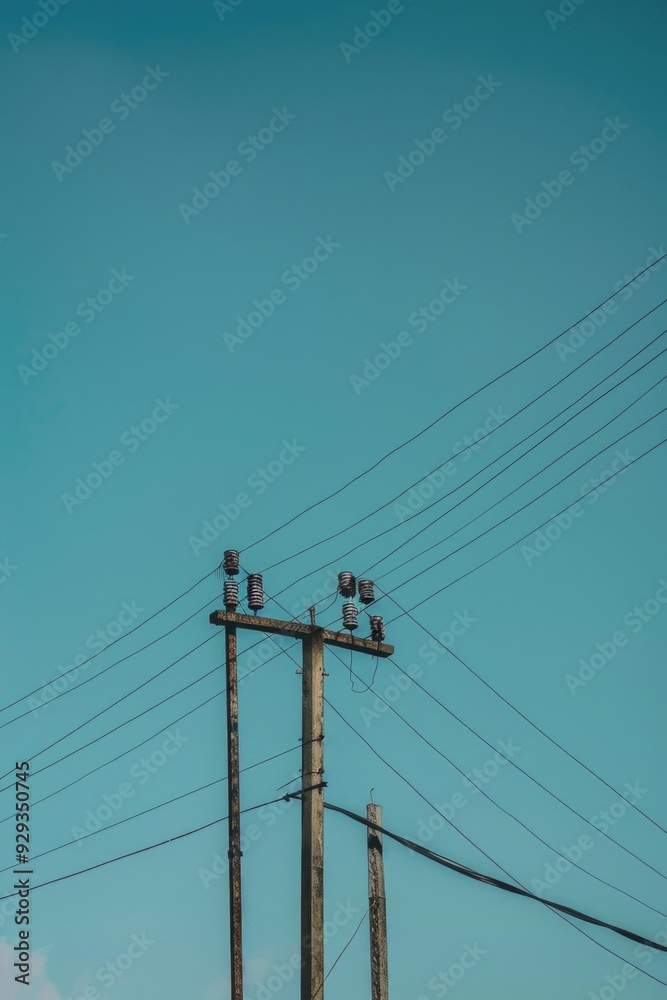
(313,639)
(234,802)
(377,907)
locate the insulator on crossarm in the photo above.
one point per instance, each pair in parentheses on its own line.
(255,592)
(366,592)
(350,615)
(347,585)
(377,628)
(230,562)
(230,593)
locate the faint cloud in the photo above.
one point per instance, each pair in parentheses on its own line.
(40,987)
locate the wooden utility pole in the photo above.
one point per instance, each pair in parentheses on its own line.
(234,803)
(314,639)
(377,907)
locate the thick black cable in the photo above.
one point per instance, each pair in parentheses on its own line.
(516,819)
(489,878)
(495,882)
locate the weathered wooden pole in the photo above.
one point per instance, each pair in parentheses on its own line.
(377,907)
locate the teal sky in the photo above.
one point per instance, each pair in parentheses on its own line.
(443,194)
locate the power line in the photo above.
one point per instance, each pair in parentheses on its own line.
(520,487)
(509,760)
(516,819)
(160,805)
(113,643)
(497,883)
(351,939)
(514,462)
(407,612)
(94,677)
(128,694)
(507,812)
(147,740)
(532,530)
(512,416)
(442,416)
(142,850)
(554,907)
(355,548)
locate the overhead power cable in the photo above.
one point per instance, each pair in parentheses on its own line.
(94,677)
(489,433)
(452,409)
(514,461)
(147,740)
(355,548)
(113,643)
(516,489)
(493,801)
(534,725)
(151,847)
(556,910)
(128,694)
(518,767)
(160,805)
(495,882)
(581,496)
(516,819)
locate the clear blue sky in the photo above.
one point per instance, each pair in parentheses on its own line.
(173,335)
